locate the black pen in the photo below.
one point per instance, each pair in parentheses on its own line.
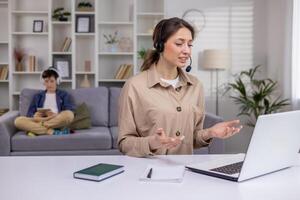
(149,173)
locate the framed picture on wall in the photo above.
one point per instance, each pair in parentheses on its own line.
(83,24)
(38,25)
(64,65)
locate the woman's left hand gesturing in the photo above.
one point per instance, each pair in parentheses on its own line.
(223,130)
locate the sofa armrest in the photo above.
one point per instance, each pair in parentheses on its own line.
(217,146)
(7,130)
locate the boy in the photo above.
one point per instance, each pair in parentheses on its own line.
(50,110)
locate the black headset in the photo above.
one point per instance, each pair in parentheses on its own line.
(159,46)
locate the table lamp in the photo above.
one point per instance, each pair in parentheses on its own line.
(216,59)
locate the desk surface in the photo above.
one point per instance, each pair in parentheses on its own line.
(51,178)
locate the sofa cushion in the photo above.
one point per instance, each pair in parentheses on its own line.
(97,101)
(82,119)
(25,100)
(114,94)
(114,134)
(95,138)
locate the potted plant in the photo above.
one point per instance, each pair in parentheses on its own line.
(111,41)
(255,96)
(19,55)
(84,6)
(142,53)
(60,15)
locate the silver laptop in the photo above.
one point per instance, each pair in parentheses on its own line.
(274,146)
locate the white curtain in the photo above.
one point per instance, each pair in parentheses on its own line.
(296,55)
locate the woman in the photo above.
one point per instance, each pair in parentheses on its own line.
(161,110)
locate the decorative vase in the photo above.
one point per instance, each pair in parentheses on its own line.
(112,47)
(85,83)
(19,67)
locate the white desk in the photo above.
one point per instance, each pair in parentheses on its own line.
(43,178)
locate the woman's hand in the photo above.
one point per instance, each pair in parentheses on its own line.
(223,130)
(160,139)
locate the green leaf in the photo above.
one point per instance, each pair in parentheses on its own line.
(255,97)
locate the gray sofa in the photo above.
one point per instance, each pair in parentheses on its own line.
(100,139)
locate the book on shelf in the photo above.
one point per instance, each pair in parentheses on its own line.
(32,63)
(124,71)
(99,172)
(4,73)
(66,44)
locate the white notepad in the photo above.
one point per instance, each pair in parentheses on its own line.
(172,174)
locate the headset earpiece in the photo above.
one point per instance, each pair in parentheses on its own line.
(159,45)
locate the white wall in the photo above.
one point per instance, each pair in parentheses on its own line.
(270,35)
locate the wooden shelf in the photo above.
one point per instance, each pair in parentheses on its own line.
(61,23)
(84,12)
(116,53)
(115,23)
(144,34)
(3,42)
(83,73)
(150,14)
(112,80)
(29,12)
(3,81)
(66,81)
(85,34)
(4,63)
(30,33)
(61,53)
(26,73)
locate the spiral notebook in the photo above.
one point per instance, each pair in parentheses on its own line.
(157,173)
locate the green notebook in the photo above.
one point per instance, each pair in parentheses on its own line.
(99,172)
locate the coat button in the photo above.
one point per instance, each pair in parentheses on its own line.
(178,89)
(177,133)
(178,109)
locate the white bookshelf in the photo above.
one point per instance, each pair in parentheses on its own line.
(148,14)
(131,19)
(4,49)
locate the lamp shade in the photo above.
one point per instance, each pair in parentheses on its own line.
(215,59)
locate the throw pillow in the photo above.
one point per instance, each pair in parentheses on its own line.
(82,118)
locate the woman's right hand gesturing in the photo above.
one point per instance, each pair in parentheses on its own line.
(160,139)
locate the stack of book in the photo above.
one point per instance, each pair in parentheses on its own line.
(66,45)
(3,111)
(124,71)
(4,73)
(32,64)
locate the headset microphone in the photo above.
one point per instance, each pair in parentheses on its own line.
(189,67)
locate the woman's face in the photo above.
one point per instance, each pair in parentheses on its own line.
(178,47)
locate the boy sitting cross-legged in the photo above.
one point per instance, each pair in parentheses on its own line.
(50,111)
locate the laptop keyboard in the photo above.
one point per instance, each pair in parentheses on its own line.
(229,169)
